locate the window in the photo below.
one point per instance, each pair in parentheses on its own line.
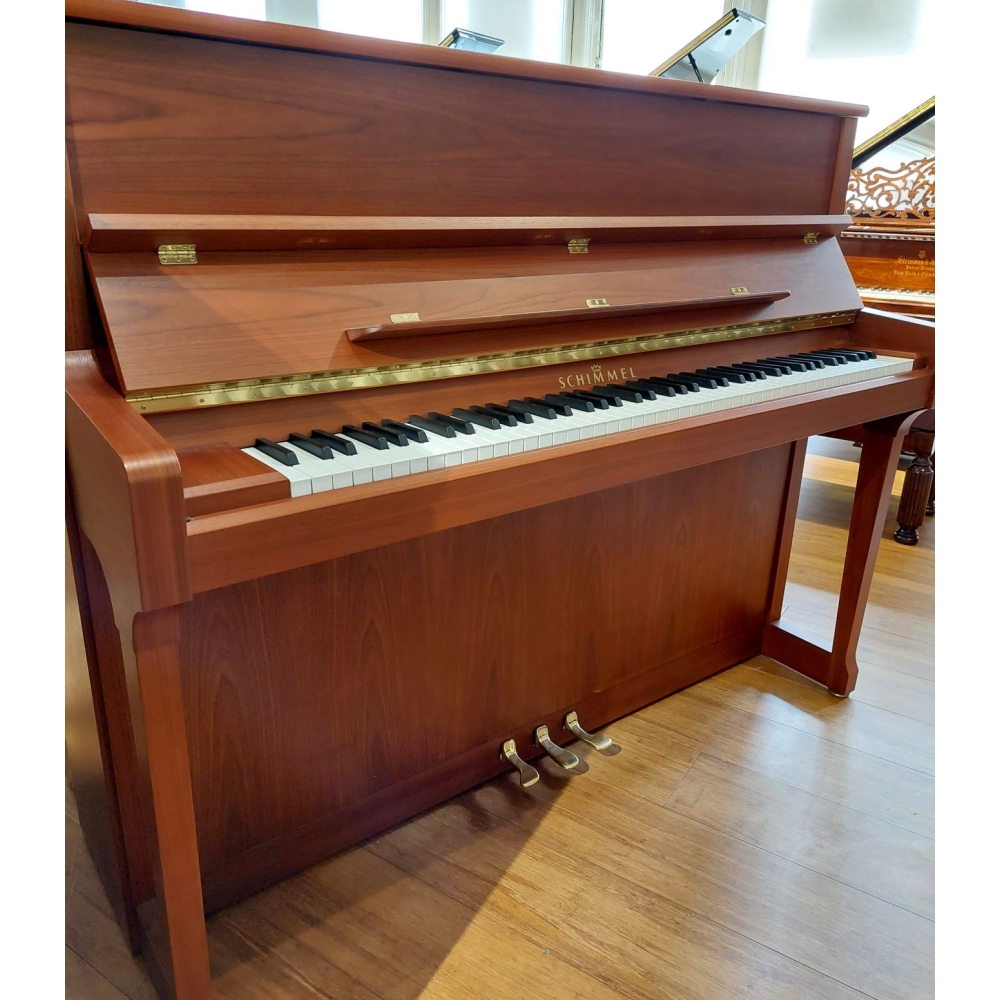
(874,52)
(641,34)
(399,20)
(530,29)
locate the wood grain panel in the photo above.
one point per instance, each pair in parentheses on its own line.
(272,316)
(323,687)
(414,140)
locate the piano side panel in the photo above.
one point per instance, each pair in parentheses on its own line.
(167,123)
(321,700)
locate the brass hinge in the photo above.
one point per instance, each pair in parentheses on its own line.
(404,317)
(739,290)
(177,253)
(596,303)
(579,246)
(810,238)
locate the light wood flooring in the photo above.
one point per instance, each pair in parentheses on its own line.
(754,838)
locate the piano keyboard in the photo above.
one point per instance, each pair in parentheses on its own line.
(325,460)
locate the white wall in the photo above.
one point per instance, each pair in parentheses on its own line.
(875,52)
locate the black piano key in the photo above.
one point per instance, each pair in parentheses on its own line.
(559,405)
(759,368)
(559,408)
(720,376)
(705,381)
(538,409)
(433,426)
(316,448)
(808,359)
(275,451)
(678,385)
(459,423)
(506,411)
(413,433)
(732,374)
(578,402)
(619,392)
(601,402)
(845,356)
(636,386)
(393,437)
(335,442)
(372,440)
(826,360)
(503,419)
(792,365)
(482,419)
(657,388)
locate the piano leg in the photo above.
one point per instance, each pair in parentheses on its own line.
(916,501)
(176,914)
(836,666)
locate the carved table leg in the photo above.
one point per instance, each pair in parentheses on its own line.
(930,499)
(916,489)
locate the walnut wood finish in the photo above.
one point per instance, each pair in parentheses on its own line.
(239,545)
(281,677)
(837,667)
(146,233)
(250,316)
(223,478)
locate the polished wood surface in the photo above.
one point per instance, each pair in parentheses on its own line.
(238,545)
(758,810)
(249,316)
(135,233)
(288,676)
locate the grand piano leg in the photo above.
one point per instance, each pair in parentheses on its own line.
(836,666)
(916,499)
(174,921)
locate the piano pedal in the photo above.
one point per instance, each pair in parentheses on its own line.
(572,723)
(526,772)
(564,758)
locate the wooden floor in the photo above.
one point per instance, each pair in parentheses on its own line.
(755,837)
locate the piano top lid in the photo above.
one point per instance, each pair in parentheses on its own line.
(151,16)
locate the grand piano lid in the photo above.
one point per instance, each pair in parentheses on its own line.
(891,186)
(907,138)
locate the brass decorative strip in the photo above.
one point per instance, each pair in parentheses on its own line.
(250,390)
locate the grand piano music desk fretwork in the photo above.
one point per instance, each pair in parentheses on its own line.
(428,399)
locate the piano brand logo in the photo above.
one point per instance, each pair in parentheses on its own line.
(598,375)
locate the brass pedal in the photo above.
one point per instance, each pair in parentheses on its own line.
(564,757)
(572,723)
(526,772)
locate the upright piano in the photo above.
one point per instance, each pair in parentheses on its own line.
(426,412)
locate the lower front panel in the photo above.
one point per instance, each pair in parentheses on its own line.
(325,703)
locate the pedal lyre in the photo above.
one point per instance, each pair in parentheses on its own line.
(564,757)
(526,772)
(572,723)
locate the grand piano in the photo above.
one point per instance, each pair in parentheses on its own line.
(426,412)
(889,248)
